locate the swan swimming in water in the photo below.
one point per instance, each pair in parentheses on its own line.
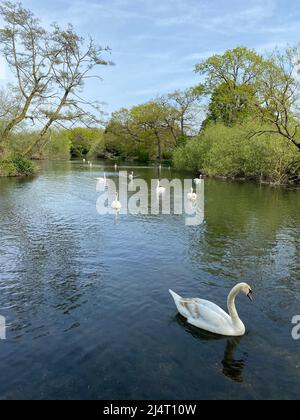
(210,317)
(102,180)
(198,180)
(116,205)
(159,189)
(192,196)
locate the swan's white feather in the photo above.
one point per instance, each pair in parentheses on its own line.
(206,315)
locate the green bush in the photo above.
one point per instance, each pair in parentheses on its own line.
(143,155)
(7,169)
(232,152)
(16,166)
(191,156)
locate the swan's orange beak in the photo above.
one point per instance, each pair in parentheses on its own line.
(250,295)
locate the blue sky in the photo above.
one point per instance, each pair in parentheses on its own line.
(156,43)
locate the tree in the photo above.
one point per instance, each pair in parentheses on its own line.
(86,142)
(122,125)
(151,123)
(50,69)
(7,108)
(147,129)
(230,80)
(73,67)
(183,109)
(240,66)
(231,105)
(242,83)
(28,51)
(278,93)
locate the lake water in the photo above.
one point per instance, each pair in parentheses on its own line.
(86,299)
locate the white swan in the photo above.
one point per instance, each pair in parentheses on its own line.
(198,180)
(209,317)
(102,180)
(131,176)
(116,205)
(192,196)
(159,189)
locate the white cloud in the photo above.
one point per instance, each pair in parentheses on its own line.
(145,55)
(243,20)
(270,46)
(200,56)
(211,16)
(81,12)
(149,92)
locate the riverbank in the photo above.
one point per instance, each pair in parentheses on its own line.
(16,166)
(249,180)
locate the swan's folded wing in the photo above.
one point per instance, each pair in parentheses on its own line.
(209,319)
(199,309)
(191,308)
(214,307)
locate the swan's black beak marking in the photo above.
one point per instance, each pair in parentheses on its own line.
(250,295)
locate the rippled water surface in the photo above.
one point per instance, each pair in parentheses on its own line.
(86,297)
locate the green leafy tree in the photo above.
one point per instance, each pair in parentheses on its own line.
(240,66)
(230,81)
(86,142)
(278,93)
(149,119)
(231,104)
(146,130)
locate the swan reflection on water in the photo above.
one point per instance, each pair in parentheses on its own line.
(116,214)
(232,367)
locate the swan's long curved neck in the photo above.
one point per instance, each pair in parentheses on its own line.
(231,305)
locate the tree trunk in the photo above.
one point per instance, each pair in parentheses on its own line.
(296,144)
(18,119)
(291,139)
(45,129)
(159,149)
(182,126)
(158,145)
